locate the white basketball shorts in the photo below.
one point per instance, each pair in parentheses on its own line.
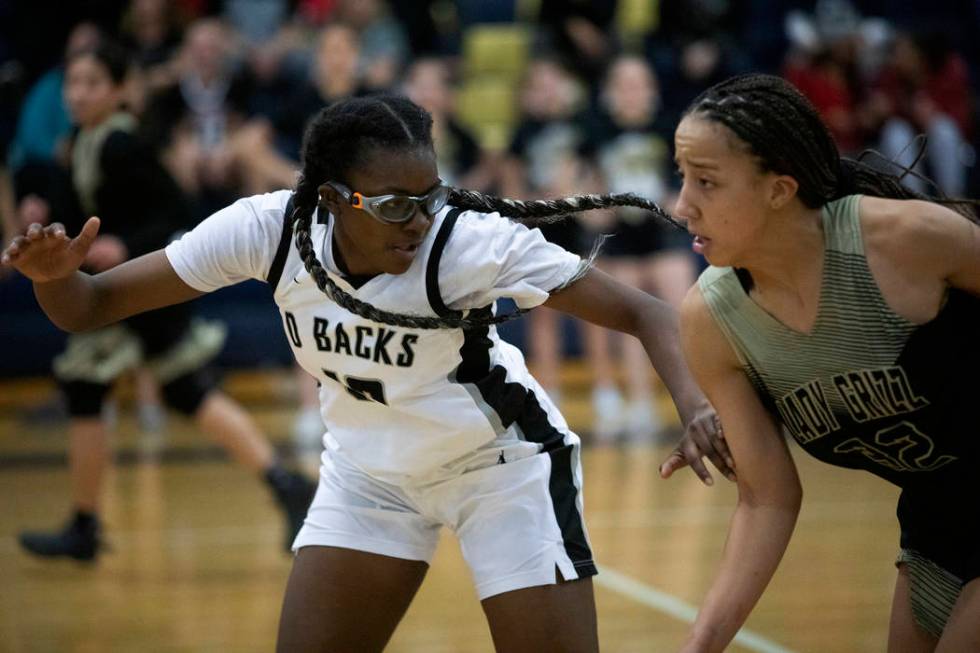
(518,516)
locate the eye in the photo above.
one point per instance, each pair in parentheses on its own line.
(705,183)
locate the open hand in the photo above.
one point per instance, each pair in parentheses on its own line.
(47,253)
(702,437)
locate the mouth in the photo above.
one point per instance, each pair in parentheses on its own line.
(699,244)
(406,248)
(405,252)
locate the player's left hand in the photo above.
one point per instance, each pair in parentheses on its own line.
(702,437)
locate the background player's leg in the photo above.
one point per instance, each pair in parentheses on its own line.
(238,433)
(308,428)
(545,338)
(962,631)
(345,600)
(555,618)
(904,634)
(230,426)
(88,458)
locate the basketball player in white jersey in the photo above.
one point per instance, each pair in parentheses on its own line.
(388,299)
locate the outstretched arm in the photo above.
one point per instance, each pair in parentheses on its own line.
(600,299)
(769,492)
(76,301)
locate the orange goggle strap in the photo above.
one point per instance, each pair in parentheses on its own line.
(357,200)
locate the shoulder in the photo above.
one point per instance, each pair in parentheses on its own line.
(694,311)
(474,226)
(267,207)
(923,235)
(705,345)
(713,276)
(256,218)
(475,236)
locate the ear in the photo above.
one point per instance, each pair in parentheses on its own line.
(782,190)
(330,198)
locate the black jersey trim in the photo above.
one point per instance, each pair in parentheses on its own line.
(282,252)
(516,404)
(322,216)
(432,267)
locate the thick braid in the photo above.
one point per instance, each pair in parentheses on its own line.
(305,203)
(536,212)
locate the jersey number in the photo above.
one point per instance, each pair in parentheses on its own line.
(902,448)
(361,389)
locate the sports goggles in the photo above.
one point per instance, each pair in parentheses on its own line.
(394,209)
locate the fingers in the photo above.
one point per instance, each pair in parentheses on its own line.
(694,459)
(84,240)
(14,249)
(721,446)
(35,233)
(680,458)
(674,462)
(710,443)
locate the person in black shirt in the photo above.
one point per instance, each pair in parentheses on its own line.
(117,177)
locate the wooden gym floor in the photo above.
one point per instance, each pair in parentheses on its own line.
(196,563)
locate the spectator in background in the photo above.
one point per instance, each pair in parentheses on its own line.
(193,117)
(580,33)
(629,145)
(43,126)
(256,21)
(203,124)
(383,42)
(428,83)
(693,66)
(542,162)
(925,88)
(823,65)
(334,75)
(151,30)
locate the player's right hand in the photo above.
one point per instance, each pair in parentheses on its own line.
(47,253)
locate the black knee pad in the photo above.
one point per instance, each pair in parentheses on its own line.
(186,393)
(84,398)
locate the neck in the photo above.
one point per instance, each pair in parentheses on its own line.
(786,256)
(347,256)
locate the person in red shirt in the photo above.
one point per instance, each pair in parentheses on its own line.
(925,89)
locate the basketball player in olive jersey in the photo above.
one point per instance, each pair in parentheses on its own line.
(850,320)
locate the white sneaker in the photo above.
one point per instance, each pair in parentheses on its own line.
(308,429)
(607,408)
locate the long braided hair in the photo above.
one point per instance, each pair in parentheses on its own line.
(782,129)
(341,137)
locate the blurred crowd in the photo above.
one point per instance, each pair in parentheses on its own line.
(530,98)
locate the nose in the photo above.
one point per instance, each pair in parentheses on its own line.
(419,223)
(684,210)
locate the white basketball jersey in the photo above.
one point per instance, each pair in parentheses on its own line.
(398,402)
